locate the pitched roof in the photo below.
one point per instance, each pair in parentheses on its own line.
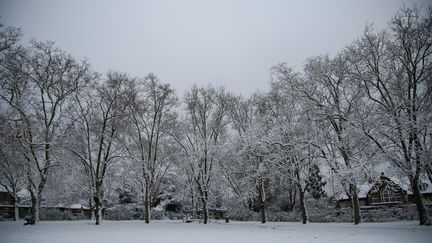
(384,180)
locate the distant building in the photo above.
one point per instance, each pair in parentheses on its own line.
(386,191)
(7,206)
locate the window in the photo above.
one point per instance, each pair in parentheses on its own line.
(385,195)
(389,196)
(375,199)
(423,186)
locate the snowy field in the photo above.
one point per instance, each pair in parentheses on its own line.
(236,232)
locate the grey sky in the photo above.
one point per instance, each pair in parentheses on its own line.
(224,42)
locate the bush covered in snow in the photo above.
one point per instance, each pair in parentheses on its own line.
(124,212)
(136,212)
(243,214)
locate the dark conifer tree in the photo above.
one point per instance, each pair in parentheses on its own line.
(315,184)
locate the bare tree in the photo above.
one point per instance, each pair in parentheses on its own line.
(293,136)
(36,84)
(152,115)
(257,170)
(206,115)
(333,99)
(250,170)
(241,114)
(98,117)
(396,69)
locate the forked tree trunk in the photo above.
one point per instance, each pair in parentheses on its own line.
(421,209)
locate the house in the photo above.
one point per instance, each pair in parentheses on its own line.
(386,191)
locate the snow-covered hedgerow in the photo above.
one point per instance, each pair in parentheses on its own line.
(369,214)
(318,211)
(134,212)
(124,212)
(56,214)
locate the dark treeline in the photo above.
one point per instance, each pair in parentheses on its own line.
(92,137)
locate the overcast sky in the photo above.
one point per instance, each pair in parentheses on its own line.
(224,42)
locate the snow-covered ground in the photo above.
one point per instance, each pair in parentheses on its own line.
(220,232)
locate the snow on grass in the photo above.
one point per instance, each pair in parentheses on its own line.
(215,231)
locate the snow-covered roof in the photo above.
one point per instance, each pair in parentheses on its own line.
(364,189)
(389,183)
(23,193)
(77,206)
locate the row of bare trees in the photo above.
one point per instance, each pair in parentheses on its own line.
(53,105)
(369,104)
(37,83)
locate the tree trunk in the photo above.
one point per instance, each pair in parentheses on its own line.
(355,203)
(194,205)
(91,207)
(262,200)
(421,209)
(34,217)
(16,210)
(205,213)
(204,206)
(91,203)
(263,212)
(98,209)
(147,205)
(303,206)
